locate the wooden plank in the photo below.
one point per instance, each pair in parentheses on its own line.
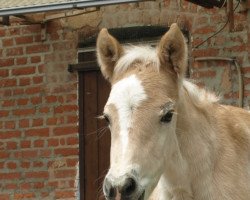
(81,135)
(90,127)
(231,15)
(103,133)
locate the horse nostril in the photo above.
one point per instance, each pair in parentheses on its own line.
(129,187)
(109,190)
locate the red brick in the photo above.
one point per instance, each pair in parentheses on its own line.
(53,142)
(45,153)
(11,165)
(66,108)
(24,40)
(37,79)
(71,98)
(4,113)
(24,195)
(24,81)
(41,174)
(246,70)
(62,141)
(72,119)
(38,185)
(8,83)
(38,38)
(24,112)
(36,100)
(16,51)
(23,71)
(10,134)
(11,175)
(35,59)
(2,32)
(7,103)
(11,145)
(51,99)
(65,173)
(18,91)
(246,93)
(24,123)
(37,122)
(65,130)
(41,69)
(246,80)
(11,186)
(72,141)
(205,52)
(39,143)
(64,194)
(44,110)
(25,144)
(6,62)
(53,184)
(7,42)
(205,30)
(240,48)
(72,162)
(38,164)
(4,155)
(4,196)
(27,154)
(31,29)
(25,164)
(4,73)
(66,151)
(40,48)
(33,90)
(7,93)
(9,125)
(21,61)
(40,132)
(25,186)
(22,101)
(14,31)
(203,74)
(51,121)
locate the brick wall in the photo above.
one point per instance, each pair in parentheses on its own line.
(38,97)
(38,112)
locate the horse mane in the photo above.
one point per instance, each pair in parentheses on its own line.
(199,95)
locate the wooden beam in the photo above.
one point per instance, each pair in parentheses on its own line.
(231,15)
(6,20)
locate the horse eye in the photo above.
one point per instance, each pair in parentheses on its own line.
(167,117)
(106,117)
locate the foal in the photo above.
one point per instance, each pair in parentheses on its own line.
(170,140)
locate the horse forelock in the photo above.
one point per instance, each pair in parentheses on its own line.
(145,55)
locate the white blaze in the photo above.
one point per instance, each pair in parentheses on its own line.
(126,95)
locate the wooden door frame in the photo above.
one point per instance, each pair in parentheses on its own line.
(81,68)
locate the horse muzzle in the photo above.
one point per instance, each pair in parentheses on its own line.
(125,188)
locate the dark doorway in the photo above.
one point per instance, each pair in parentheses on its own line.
(94,134)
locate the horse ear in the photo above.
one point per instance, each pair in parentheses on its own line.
(109,51)
(172,51)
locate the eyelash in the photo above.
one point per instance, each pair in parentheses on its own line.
(106,117)
(166,118)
